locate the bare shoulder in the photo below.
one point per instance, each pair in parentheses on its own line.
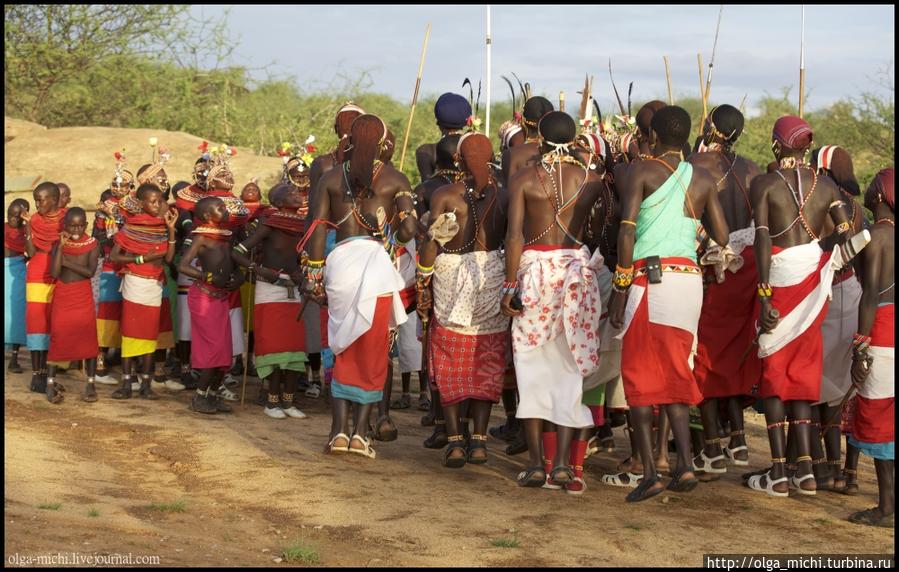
(520,180)
(702,159)
(445,194)
(748,164)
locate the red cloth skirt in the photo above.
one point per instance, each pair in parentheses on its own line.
(467,366)
(73,322)
(363,365)
(726,332)
(210,329)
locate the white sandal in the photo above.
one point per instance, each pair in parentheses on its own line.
(755,483)
(796,483)
(592,447)
(314,391)
(366,452)
(732,459)
(335,449)
(706,466)
(615,480)
(227,394)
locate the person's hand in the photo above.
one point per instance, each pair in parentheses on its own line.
(63,238)
(234,280)
(769,317)
(267,274)
(506,308)
(616,308)
(424,303)
(171,216)
(861,368)
(315,290)
(25,216)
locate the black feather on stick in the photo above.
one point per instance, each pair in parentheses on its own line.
(470,91)
(598,112)
(630,89)
(614,87)
(521,87)
(512,89)
(477,104)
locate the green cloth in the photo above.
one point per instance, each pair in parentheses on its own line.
(662,228)
(595,396)
(293,361)
(695,418)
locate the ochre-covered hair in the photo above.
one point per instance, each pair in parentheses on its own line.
(367,136)
(475,152)
(644,116)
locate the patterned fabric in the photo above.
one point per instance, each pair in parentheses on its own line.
(39,286)
(467,366)
(141,306)
(467,292)
(560,295)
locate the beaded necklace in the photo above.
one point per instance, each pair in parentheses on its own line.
(799,199)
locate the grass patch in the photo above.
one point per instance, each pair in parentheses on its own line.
(93,512)
(505,542)
(633,526)
(301,553)
(50,506)
(177,506)
(822,521)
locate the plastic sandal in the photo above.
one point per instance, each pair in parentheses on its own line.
(797,484)
(755,483)
(526,477)
(870,517)
(366,451)
(706,466)
(731,457)
(615,480)
(456,442)
(477,442)
(339,449)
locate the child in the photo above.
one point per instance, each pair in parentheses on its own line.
(41,233)
(208,301)
(73,331)
(280,337)
(141,245)
(109,299)
(14,281)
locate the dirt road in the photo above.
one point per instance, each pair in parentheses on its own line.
(112,477)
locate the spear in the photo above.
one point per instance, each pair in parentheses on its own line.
(489,45)
(802,64)
(421,65)
(701,91)
(618,97)
(668,79)
(708,80)
(743,104)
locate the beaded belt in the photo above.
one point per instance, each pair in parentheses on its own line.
(216,293)
(684,268)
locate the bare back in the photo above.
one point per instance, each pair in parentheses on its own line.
(356,216)
(517,158)
(556,214)
(733,175)
(482,232)
(776,205)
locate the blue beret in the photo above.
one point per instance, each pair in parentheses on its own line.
(452,111)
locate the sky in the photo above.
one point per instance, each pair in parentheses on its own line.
(846,48)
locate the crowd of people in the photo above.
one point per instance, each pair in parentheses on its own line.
(594,274)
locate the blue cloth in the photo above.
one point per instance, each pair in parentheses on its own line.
(881,451)
(452,111)
(354,394)
(110,284)
(14,300)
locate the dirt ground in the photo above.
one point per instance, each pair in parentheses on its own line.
(252,486)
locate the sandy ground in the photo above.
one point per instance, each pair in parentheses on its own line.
(252,486)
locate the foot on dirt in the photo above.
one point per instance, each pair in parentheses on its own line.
(402,402)
(38,383)
(220,404)
(647,488)
(872,517)
(201,404)
(53,393)
(532,477)
(14,367)
(438,438)
(90,393)
(386,429)
(146,392)
(424,404)
(124,391)
(683,482)
(517,446)
(428,420)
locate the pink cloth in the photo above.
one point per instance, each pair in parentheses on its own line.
(210,328)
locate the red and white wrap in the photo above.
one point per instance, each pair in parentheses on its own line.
(556,337)
(609,345)
(792,354)
(357,272)
(660,335)
(840,323)
(874,420)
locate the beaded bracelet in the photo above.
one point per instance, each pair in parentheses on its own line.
(623,277)
(843,228)
(860,343)
(506,290)
(836,203)
(510,284)
(241,249)
(208,278)
(139,259)
(764,290)
(315,263)
(424,270)
(403,194)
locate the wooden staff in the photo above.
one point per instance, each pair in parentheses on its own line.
(489,46)
(668,79)
(802,64)
(743,104)
(246,332)
(708,81)
(421,65)
(701,91)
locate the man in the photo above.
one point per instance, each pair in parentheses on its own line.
(468,334)
(517,158)
(790,206)
(359,283)
(637,145)
(873,360)
(446,174)
(280,337)
(663,199)
(42,231)
(723,368)
(839,324)
(555,330)
(347,113)
(452,112)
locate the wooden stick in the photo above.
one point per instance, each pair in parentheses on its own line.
(701,91)
(561,101)
(489,46)
(421,65)
(246,332)
(668,79)
(802,65)
(743,104)
(708,81)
